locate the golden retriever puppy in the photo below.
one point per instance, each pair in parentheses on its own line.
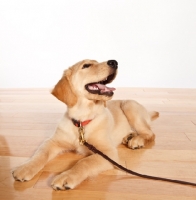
(83,89)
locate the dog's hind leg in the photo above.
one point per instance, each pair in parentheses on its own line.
(139,119)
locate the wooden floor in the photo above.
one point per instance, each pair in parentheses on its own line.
(27,117)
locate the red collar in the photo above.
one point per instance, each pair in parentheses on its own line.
(79,123)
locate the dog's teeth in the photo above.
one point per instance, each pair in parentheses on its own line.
(93,87)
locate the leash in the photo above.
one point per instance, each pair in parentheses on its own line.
(96,151)
(93,149)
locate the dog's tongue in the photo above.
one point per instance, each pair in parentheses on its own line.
(104,88)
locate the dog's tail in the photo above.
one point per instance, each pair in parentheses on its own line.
(154,115)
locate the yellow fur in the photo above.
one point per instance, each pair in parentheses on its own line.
(111,122)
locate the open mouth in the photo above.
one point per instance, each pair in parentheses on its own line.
(100,87)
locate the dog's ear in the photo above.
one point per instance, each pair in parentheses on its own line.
(63,90)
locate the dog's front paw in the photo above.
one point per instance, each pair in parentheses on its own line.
(24,173)
(136,142)
(65,181)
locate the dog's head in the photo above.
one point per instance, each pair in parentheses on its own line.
(88,79)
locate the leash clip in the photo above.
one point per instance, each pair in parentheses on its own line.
(81,135)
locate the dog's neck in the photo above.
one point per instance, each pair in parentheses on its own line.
(85,109)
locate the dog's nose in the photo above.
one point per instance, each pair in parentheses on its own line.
(113,64)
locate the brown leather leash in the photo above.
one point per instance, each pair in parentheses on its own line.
(93,149)
(96,151)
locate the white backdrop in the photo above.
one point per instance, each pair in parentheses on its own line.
(154,41)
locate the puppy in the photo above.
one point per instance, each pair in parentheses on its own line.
(83,89)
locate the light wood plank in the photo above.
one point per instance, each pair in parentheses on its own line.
(29,116)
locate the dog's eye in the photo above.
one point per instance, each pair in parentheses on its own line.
(86,66)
